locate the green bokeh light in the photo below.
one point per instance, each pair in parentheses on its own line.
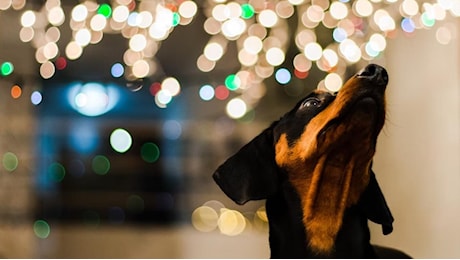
(10,161)
(101,164)
(232,82)
(150,152)
(105,10)
(176,19)
(56,172)
(42,229)
(135,204)
(6,68)
(247,11)
(427,20)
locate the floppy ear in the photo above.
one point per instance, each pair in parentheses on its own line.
(374,205)
(251,173)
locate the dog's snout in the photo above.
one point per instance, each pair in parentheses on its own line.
(375,73)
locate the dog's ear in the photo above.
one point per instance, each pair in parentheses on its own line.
(374,205)
(251,173)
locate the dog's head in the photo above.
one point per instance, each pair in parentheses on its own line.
(324,148)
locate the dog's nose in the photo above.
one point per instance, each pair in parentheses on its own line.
(375,73)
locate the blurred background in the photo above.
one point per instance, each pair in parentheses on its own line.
(114,115)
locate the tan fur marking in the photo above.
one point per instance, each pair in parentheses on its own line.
(325,189)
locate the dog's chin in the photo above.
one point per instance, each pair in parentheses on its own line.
(366,104)
(367,115)
(353,133)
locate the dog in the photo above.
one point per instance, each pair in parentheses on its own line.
(314,168)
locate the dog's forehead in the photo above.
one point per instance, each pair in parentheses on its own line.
(294,121)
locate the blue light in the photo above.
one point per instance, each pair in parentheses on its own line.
(36,97)
(408,25)
(172,129)
(117,70)
(83,137)
(93,99)
(283,76)
(339,34)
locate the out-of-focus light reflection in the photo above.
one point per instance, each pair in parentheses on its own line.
(213,215)
(36,98)
(236,108)
(231,222)
(16,91)
(56,172)
(232,82)
(260,31)
(283,76)
(117,70)
(41,229)
(93,99)
(150,152)
(172,129)
(120,140)
(100,165)
(222,92)
(205,219)
(333,82)
(10,161)
(206,92)
(6,68)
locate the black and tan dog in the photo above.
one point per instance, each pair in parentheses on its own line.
(314,168)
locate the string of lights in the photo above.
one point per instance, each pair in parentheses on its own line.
(260,28)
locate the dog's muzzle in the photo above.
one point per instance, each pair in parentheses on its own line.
(376,74)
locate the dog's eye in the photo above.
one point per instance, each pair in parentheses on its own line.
(311,102)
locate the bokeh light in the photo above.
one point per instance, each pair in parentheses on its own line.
(283,76)
(36,97)
(247,11)
(232,82)
(205,219)
(10,161)
(41,229)
(171,85)
(100,164)
(150,152)
(261,32)
(231,222)
(6,68)
(56,172)
(28,18)
(206,92)
(221,92)
(333,82)
(117,70)
(93,99)
(236,108)
(105,10)
(16,91)
(120,140)
(172,129)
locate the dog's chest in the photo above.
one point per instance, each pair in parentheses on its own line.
(288,238)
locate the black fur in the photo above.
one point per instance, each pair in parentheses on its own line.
(252,174)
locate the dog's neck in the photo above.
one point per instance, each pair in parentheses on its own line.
(288,238)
